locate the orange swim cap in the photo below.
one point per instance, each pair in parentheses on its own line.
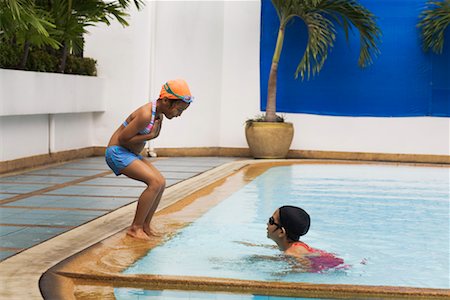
(177,90)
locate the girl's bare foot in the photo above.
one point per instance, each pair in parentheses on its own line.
(151,232)
(138,233)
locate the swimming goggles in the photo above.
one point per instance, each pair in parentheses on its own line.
(186,99)
(272,222)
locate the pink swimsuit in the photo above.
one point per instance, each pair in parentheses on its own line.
(149,127)
(323,261)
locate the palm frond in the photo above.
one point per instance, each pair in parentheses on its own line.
(348,14)
(434,20)
(318,15)
(321,37)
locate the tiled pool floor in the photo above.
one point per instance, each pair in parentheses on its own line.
(40,204)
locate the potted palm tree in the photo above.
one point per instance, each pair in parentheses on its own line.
(434,21)
(271,137)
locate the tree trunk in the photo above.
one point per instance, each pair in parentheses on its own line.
(271,105)
(271,115)
(26,51)
(65,52)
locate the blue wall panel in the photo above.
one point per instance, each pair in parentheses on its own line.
(403,81)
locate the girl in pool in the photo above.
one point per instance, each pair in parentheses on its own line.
(124,148)
(285,227)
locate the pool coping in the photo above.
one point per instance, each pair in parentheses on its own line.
(268,288)
(21,273)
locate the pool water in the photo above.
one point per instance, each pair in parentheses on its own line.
(390,224)
(141,294)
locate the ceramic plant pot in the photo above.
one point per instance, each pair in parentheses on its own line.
(269,139)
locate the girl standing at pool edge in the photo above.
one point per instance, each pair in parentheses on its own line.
(123,152)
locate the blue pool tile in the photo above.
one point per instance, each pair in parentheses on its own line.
(66,172)
(72,202)
(28,220)
(45,230)
(35,201)
(6,254)
(98,191)
(29,237)
(50,220)
(22,188)
(65,213)
(5,230)
(38,179)
(185,169)
(84,166)
(48,217)
(125,181)
(8,212)
(203,161)
(114,181)
(91,213)
(6,196)
(94,203)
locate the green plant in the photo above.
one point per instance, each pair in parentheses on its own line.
(72,17)
(41,61)
(9,56)
(23,15)
(56,27)
(24,25)
(318,15)
(81,66)
(435,19)
(261,118)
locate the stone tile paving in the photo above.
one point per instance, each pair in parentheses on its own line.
(21,188)
(36,179)
(31,214)
(4,196)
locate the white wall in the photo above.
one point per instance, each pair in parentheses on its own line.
(23,136)
(214,45)
(29,135)
(25,93)
(417,135)
(240,92)
(72,131)
(189,45)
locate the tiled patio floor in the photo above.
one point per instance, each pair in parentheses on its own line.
(40,204)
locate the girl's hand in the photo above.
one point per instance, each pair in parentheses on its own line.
(155,129)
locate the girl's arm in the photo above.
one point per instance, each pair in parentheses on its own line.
(129,135)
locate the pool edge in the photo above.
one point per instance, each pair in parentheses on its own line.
(268,288)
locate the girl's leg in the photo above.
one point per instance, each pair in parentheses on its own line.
(139,170)
(152,210)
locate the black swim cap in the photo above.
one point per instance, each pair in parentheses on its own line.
(295,221)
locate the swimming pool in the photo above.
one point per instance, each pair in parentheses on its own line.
(389,223)
(214,238)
